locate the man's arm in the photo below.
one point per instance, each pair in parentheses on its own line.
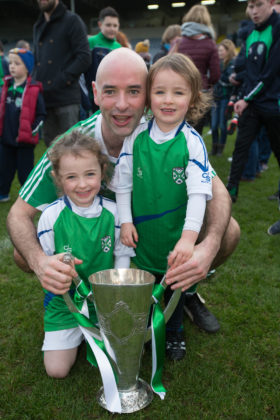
(54,275)
(220,236)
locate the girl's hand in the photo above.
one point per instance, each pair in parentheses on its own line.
(183,250)
(129,235)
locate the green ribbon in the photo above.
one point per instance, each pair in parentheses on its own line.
(158,341)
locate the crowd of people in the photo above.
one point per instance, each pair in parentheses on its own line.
(137,109)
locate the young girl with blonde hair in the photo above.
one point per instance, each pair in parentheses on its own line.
(165,163)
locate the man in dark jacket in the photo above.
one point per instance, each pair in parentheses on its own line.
(61,54)
(261,88)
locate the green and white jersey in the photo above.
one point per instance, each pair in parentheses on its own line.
(161,172)
(39,189)
(93,235)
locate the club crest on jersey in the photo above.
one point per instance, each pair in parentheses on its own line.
(178,175)
(106,243)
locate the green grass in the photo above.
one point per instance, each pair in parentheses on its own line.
(233,374)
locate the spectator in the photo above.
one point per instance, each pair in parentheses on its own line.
(61,54)
(261,89)
(171,34)
(198,43)
(222,93)
(101,44)
(23,44)
(122,39)
(142,48)
(22,111)
(4,66)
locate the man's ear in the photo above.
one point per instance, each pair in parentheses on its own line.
(99,23)
(93,83)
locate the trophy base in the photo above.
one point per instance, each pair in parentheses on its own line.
(132,400)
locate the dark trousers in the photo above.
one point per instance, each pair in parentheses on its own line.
(176,319)
(14,159)
(249,125)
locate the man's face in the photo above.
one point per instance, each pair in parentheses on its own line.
(47,5)
(260,10)
(109,26)
(120,92)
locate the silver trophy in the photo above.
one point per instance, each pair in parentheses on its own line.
(123,299)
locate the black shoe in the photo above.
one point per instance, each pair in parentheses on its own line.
(175,345)
(199,314)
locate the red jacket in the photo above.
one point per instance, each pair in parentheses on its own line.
(204,54)
(28,110)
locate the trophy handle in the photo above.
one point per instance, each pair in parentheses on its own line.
(168,311)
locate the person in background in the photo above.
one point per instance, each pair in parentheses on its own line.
(259,103)
(222,93)
(122,39)
(101,44)
(198,43)
(22,111)
(23,44)
(169,37)
(142,48)
(61,54)
(4,66)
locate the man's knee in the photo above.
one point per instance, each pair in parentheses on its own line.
(229,243)
(59,363)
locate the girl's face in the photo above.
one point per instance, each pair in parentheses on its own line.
(80,177)
(170,99)
(17,68)
(222,52)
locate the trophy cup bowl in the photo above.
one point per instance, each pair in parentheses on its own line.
(123,299)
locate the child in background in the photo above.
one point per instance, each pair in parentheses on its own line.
(22,111)
(88,224)
(166,165)
(4,66)
(222,93)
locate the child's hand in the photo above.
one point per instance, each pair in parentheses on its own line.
(183,249)
(129,235)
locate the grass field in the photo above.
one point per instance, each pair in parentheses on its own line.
(233,374)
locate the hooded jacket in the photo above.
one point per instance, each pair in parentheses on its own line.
(197,43)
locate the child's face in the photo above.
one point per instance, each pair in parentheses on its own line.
(259,10)
(170,99)
(109,26)
(80,177)
(222,52)
(17,67)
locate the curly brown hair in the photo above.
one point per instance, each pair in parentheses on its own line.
(179,63)
(75,143)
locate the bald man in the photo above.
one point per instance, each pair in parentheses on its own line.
(120,92)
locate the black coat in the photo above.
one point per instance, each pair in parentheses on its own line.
(62,53)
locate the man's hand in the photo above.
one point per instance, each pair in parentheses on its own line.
(240,106)
(192,271)
(54,275)
(232,79)
(129,235)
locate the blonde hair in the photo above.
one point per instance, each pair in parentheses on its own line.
(75,143)
(179,63)
(198,14)
(230,49)
(170,32)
